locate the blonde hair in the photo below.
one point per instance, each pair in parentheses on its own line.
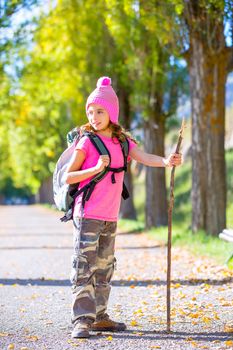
(117,131)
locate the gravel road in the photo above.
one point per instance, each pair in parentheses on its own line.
(35,291)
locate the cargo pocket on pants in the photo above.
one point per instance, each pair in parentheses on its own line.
(80,268)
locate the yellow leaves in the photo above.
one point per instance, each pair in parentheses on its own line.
(181,312)
(190,339)
(32,337)
(194,343)
(226,303)
(74,344)
(133,323)
(109,338)
(34,296)
(227,273)
(228,327)
(155,347)
(194,315)
(206,319)
(22,309)
(181,295)
(176,285)
(4,334)
(206,287)
(229,343)
(139,312)
(138,333)
(11,347)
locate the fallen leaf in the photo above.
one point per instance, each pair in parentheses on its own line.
(22,309)
(228,327)
(109,338)
(194,315)
(194,343)
(32,337)
(177,285)
(189,339)
(11,347)
(229,343)
(226,303)
(133,323)
(206,319)
(4,334)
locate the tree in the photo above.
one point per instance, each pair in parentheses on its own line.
(10,41)
(209,54)
(154,80)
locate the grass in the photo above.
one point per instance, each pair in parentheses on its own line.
(199,243)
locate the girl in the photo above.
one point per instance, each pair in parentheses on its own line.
(95,224)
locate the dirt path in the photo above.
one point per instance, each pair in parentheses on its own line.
(35,294)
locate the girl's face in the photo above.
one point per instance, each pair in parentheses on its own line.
(98,117)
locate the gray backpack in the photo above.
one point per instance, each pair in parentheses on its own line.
(65,194)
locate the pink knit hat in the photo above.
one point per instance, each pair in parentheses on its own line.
(105,96)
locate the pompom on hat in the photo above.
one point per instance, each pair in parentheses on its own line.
(105,96)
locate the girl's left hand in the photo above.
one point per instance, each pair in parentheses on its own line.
(174,159)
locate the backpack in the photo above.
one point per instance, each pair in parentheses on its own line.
(65,194)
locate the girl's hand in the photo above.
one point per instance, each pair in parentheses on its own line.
(173,159)
(102,163)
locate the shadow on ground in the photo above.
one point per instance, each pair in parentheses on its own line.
(117,283)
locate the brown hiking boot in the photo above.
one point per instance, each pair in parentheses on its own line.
(106,324)
(81,330)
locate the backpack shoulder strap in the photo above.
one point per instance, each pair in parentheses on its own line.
(98,143)
(102,150)
(125,151)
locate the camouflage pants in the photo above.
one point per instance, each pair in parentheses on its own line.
(93,264)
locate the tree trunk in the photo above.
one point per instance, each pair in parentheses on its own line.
(127,210)
(45,194)
(156,196)
(208,74)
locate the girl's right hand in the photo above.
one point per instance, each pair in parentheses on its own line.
(103,162)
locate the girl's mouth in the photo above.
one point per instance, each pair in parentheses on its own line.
(96,124)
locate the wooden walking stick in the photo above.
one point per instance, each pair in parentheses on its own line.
(171,203)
